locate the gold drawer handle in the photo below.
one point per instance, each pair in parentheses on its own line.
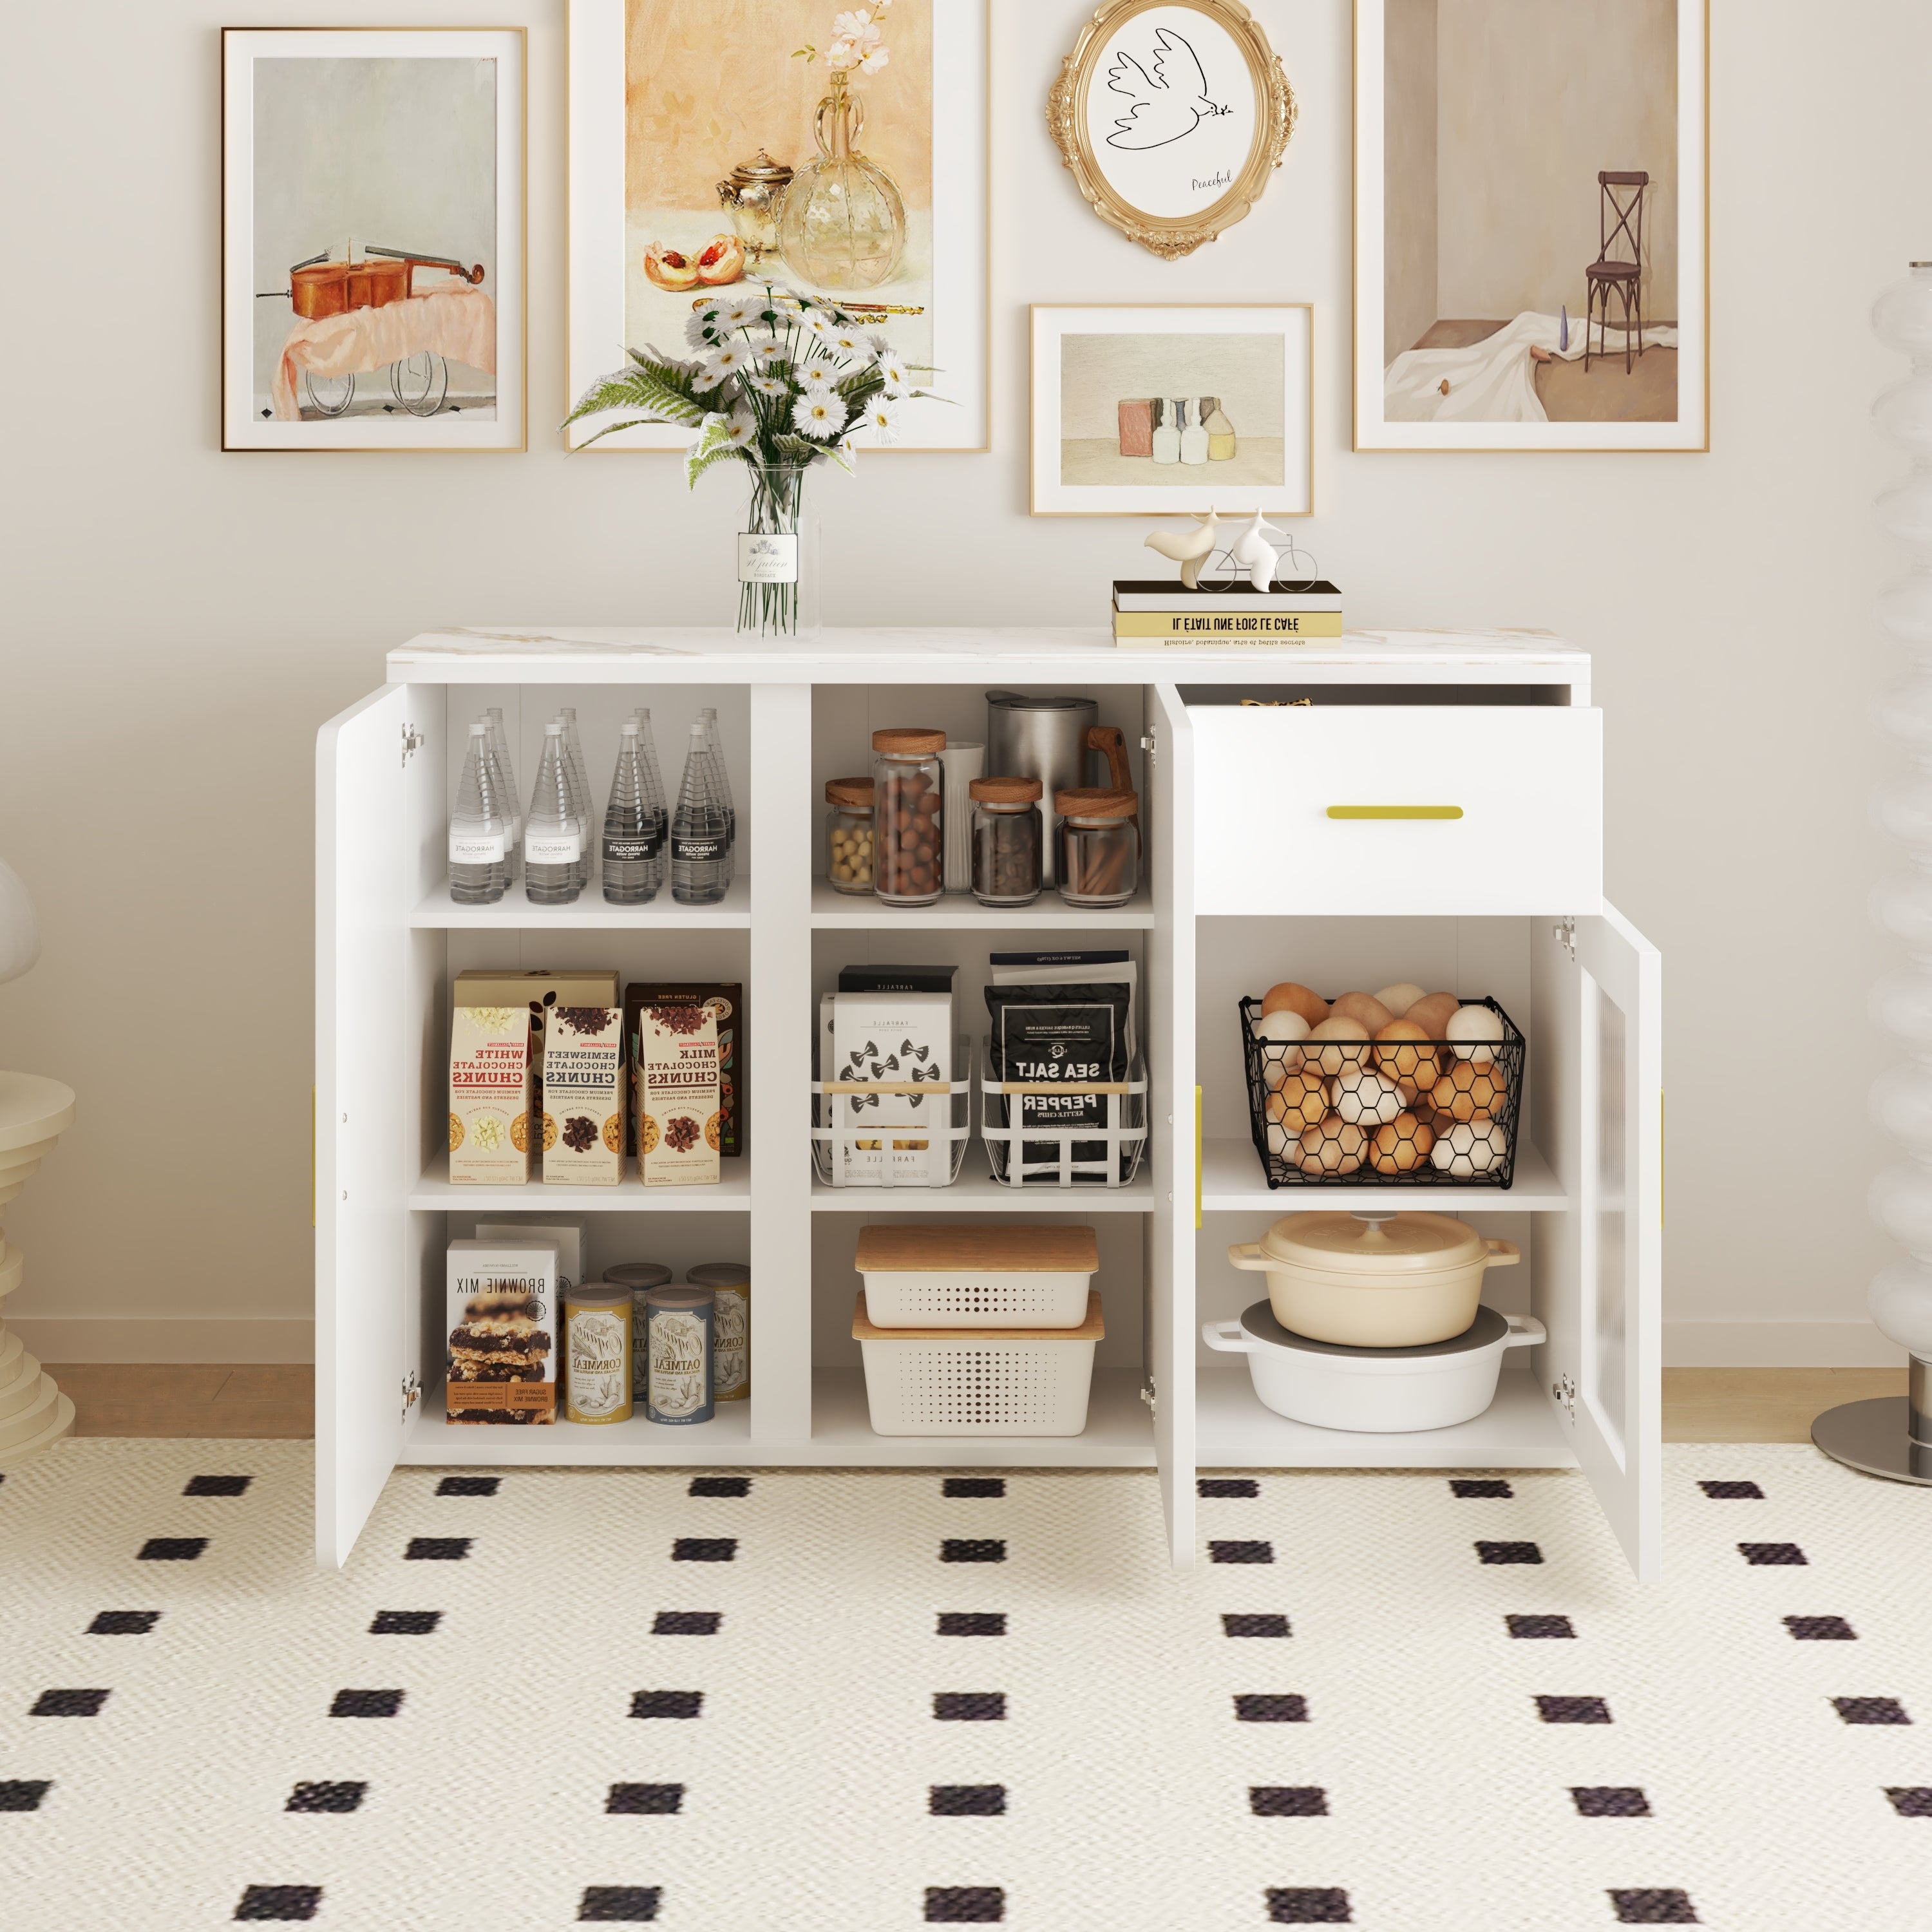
(1395,812)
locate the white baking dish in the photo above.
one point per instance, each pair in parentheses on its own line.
(1374,1391)
(979,1277)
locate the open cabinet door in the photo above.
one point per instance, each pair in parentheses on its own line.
(1168,1318)
(361,940)
(1599,1114)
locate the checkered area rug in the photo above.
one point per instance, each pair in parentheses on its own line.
(875,1701)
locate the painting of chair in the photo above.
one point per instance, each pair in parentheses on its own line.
(1619,224)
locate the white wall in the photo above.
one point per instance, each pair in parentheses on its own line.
(175,623)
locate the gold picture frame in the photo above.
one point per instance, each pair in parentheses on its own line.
(1156,107)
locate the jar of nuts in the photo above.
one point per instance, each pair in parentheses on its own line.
(848,833)
(908,781)
(1006,840)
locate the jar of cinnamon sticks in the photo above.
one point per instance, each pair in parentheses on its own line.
(1098,843)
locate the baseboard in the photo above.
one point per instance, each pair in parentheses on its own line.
(97,1338)
(1777,1345)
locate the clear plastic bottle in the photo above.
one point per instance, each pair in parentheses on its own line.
(553,842)
(654,795)
(478,827)
(721,779)
(500,737)
(698,831)
(633,865)
(499,788)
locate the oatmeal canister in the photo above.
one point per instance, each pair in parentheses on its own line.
(677,1355)
(730,1285)
(597,1353)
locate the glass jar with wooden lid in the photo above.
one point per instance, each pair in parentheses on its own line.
(909,787)
(1006,840)
(849,837)
(1097,843)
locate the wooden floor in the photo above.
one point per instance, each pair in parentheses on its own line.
(1700,1405)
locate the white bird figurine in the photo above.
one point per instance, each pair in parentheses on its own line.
(1192,550)
(1252,551)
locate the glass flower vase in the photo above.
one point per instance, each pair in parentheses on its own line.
(842,225)
(777,553)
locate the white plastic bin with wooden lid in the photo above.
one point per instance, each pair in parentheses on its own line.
(1014,1277)
(983,1381)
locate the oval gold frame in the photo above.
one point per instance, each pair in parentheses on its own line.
(1167,236)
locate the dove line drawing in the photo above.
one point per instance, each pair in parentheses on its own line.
(1164,111)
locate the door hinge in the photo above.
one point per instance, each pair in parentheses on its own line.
(1150,1396)
(412,743)
(1151,744)
(1565,1391)
(412,1393)
(1565,932)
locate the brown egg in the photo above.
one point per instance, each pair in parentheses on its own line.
(1335,1146)
(1471,1090)
(1365,1007)
(1301,1101)
(1396,1054)
(1433,1014)
(1289,997)
(1341,1034)
(1403,1146)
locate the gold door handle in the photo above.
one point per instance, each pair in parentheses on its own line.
(1395,812)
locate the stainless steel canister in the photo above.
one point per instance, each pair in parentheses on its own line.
(1042,738)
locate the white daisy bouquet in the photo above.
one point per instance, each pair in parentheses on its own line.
(778,381)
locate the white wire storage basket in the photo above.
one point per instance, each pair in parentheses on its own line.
(850,1153)
(1104,1152)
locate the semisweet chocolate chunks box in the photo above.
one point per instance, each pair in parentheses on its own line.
(726,1003)
(675,1079)
(584,1096)
(491,1089)
(503,1303)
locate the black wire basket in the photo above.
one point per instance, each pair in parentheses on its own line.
(1386,1113)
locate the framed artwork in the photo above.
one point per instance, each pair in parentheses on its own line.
(1160,410)
(1532,261)
(1172,115)
(373,238)
(717,142)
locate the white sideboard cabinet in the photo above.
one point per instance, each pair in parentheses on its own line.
(1296,809)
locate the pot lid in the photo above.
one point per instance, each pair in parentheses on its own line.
(760,168)
(1487,1330)
(1373,1243)
(1017,700)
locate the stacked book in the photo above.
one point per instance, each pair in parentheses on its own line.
(1153,614)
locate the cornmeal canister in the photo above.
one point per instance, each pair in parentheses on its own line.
(639,1277)
(730,1285)
(677,1355)
(597,1353)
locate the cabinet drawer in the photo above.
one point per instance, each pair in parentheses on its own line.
(1463,809)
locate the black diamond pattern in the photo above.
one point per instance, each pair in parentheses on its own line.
(974,1486)
(719,1486)
(282,1902)
(68,1704)
(326,1797)
(666,1703)
(966,1801)
(970,1707)
(1909,1801)
(687,1623)
(468,1486)
(1260,1708)
(1540,1626)
(218,1486)
(705,1549)
(366,1704)
(1654,1908)
(1724,1492)
(1508,1552)
(437,1550)
(1226,1485)
(1610,1801)
(1573,1711)
(1853,1710)
(638,1801)
(1288,1801)
(619,1904)
(1308,1905)
(1240,1552)
(405,1623)
(123,1623)
(972,1549)
(972,1623)
(24,1794)
(1760,1554)
(171,1549)
(1253,1623)
(965,1905)
(1473,1487)
(1820,1630)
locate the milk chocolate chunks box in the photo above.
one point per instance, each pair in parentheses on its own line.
(726,1003)
(675,1078)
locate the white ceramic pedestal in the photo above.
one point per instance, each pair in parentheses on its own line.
(34,1114)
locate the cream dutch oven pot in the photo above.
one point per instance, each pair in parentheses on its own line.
(1375,1279)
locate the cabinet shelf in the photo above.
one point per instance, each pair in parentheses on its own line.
(727,1437)
(1231,1183)
(961,912)
(513,913)
(436,1191)
(975,1191)
(1518,1430)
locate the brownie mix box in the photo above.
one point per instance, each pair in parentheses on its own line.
(675,1078)
(726,1003)
(490,1097)
(583,1095)
(502,1305)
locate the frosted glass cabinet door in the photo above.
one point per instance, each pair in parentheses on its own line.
(362,896)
